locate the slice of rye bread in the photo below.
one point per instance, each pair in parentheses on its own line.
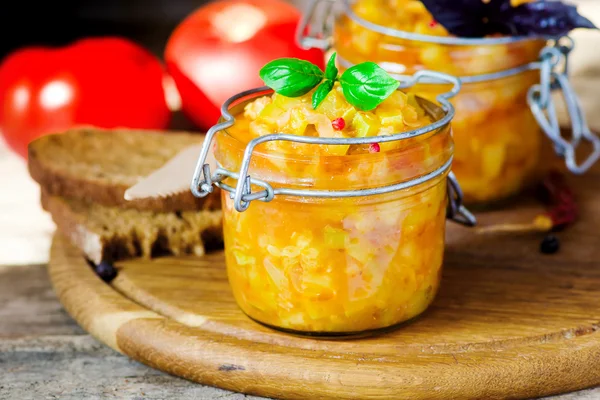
(112,233)
(97,166)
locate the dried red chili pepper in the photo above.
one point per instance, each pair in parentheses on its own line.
(561,206)
(559,198)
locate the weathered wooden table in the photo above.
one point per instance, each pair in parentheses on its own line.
(45,355)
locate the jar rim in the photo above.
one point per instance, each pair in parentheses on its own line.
(233,151)
(230,110)
(446,40)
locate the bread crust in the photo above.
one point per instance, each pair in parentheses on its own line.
(102,240)
(91,244)
(66,183)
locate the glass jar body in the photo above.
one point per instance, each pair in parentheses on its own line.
(338,266)
(497,139)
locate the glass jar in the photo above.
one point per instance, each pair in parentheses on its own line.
(497,137)
(340,245)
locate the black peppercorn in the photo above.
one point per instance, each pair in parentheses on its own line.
(106,271)
(550,245)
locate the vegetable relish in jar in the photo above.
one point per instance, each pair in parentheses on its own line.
(498,140)
(336,263)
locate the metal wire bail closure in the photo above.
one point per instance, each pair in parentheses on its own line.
(543,108)
(315,33)
(242,195)
(457,212)
(315,30)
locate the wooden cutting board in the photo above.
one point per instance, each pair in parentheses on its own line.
(508,322)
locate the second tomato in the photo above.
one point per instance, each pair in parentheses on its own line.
(218,50)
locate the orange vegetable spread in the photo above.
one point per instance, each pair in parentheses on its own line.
(345,264)
(497,139)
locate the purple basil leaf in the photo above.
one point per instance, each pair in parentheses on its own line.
(547,18)
(477,18)
(468,18)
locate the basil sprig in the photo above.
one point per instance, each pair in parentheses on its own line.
(291,77)
(367,84)
(364,85)
(321,92)
(331,74)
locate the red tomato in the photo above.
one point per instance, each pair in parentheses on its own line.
(218,50)
(105,82)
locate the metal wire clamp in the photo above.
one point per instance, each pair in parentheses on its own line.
(544,110)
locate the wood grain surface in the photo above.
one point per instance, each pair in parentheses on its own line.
(44,354)
(508,322)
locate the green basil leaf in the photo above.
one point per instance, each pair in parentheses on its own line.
(331,71)
(366,85)
(321,92)
(291,77)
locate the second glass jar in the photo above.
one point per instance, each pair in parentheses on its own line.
(497,139)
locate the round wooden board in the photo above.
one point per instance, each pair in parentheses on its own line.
(508,322)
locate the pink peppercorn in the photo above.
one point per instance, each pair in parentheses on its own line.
(338,124)
(374,148)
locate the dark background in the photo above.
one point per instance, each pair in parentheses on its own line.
(58,22)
